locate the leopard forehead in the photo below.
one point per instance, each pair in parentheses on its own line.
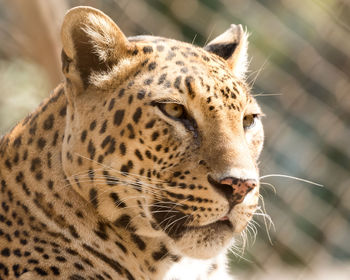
(170,68)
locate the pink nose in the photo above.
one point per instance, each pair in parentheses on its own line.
(235,190)
(240,188)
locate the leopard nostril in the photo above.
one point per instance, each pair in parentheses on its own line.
(234,189)
(246,183)
(230,181)
(225,189)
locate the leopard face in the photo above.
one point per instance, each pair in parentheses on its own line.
(162,137)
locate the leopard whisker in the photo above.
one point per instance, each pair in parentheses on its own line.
(167,219)
(89,173)
(145,188)
(262,212)
(191,215)
(244,240)
(270,185)
(174,222)
(174,207)
(239,254)
(117,171)
(167,202)
(102,179)
(168,208)
(151,189)
(254,231)
(164,211)
(255,223)
(257,72)
(194,38)
(267,94)
(291,177)
(210,33)
(85,171)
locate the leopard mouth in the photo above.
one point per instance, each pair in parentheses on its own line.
(180,224)
(217,225)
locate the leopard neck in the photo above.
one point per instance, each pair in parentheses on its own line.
(33,146)
(30,161)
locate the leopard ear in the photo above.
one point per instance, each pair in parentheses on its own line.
(92,43)
(232,46)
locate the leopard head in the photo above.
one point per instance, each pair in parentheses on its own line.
(162,137)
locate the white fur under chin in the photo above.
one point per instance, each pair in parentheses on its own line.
(194,269)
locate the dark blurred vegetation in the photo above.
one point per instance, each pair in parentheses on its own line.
(300,66)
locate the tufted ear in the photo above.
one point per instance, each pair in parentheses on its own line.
(92,43)
(232,46)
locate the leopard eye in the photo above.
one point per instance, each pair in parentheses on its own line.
(250,120)
(178,112)
(172,110)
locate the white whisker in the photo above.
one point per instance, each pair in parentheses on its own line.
(117,171)
(266,218)
(267,94)
(239,255)
(252,83)
(291,177)
(270,185)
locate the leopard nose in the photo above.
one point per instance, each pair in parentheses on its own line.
(234,189)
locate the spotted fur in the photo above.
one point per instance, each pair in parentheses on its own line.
(103,181)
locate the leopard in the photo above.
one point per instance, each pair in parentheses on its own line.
(142,163)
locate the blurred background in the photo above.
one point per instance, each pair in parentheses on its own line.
(300,66)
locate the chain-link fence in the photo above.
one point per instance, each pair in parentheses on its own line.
(300,66)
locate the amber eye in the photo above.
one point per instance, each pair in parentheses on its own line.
(178,112)
(172,110)
(249,121)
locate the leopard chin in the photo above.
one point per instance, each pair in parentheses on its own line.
(206,242)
